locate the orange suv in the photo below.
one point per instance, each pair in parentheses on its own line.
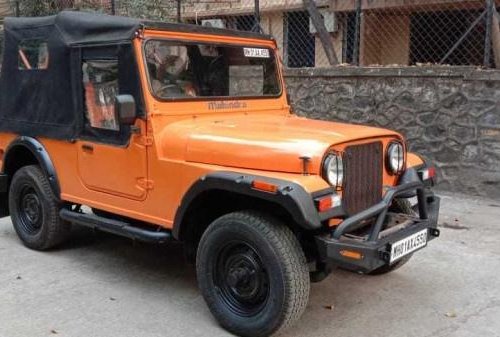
(161,132)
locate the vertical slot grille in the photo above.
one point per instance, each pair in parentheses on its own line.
(363,180)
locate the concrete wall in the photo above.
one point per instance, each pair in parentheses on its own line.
(5,9)
(385,39)
(192,8)
(450,115)
(272,24)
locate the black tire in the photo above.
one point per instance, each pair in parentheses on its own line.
(252,273)
(400,206)
(34,210)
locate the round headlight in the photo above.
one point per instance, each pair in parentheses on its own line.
(395,158)
(333,170)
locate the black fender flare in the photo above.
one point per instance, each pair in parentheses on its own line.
(414,174)
(40,153)
(291,196)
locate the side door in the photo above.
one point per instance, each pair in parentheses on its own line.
(112,158)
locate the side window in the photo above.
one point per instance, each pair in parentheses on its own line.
(33,55)
(100,83)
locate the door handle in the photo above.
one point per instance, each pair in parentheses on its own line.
(87,148)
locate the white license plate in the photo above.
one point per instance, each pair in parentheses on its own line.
(408,245)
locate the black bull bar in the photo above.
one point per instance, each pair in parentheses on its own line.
(374,250)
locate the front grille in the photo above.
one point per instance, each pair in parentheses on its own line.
(363,176)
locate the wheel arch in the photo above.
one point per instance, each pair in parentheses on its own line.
(24,151)
(224,192)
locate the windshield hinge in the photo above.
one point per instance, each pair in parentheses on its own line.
(145,183)
(146,140)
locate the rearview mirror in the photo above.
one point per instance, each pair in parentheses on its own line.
(125,109)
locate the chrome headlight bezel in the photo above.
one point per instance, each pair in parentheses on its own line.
(333,169)
(395,158)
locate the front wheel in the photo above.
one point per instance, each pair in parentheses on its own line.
(252,273)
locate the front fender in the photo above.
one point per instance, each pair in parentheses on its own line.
(414,160)
(289,195)
(416,166)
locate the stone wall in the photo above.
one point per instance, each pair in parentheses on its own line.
(450,115)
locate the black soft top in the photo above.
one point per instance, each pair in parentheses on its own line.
(49,102)
(77,27)
(87,28)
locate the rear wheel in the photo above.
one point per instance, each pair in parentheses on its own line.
(399,206)
(252,273)
(35,209)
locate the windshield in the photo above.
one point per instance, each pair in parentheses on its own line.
(181,70)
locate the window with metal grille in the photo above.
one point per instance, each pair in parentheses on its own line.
(435,37)
(299,43)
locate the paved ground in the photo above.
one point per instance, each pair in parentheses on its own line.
(103,286)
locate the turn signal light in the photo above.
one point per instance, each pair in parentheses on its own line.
(432,172)
(334,222)
(264,186)
(351,254)
(330,201)
(428,173)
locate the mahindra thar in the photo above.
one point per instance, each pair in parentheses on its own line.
(160,132)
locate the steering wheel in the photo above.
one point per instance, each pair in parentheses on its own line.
(165,90)
(173,90)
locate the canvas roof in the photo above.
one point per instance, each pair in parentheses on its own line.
(49,102)
(84,28)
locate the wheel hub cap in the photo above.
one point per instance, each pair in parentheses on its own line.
(30,210)
(31,206)
(242,279)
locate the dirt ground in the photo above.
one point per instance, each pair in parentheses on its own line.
(98,285)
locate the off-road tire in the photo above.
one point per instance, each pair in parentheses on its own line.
(34,210)
(270,245)
(401,206)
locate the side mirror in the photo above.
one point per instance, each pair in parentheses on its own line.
(125,109)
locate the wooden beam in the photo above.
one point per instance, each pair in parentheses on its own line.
(415,5)
(323,34)
(487,35)
(245,9)
(495,37)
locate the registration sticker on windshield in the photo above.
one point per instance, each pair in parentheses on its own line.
(256,52)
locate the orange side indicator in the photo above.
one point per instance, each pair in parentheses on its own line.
(334,222)
(264,186)
(351,254)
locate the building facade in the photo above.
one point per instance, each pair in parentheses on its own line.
(5,10)
(378,32)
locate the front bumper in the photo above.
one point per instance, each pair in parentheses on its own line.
(374,246)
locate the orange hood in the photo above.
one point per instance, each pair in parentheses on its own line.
(264,142)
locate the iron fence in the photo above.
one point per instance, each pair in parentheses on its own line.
(325,33)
